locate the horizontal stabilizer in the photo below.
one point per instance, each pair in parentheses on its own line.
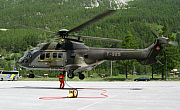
(147,61)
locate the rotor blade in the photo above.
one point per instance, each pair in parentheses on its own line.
(154,33)
(27,26)
(97,38)
(173,43)
(166,32)
(148,44)
(48,39)
(96,18)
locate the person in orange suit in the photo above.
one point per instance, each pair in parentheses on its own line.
(61,76)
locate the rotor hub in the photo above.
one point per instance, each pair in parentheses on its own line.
(63,33)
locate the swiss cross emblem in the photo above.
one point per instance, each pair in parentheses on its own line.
(158,48)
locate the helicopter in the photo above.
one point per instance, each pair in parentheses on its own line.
(72,55)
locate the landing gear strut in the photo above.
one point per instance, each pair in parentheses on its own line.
(70,74)
(81,76)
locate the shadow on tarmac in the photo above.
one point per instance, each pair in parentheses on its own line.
(29,87)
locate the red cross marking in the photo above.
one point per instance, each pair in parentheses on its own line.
(158,48)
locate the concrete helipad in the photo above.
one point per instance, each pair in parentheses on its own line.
(24,95)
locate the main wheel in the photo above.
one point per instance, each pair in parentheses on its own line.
(81,76)
(31,75)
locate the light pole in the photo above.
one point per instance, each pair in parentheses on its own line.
(14,64)
(66,76)
(111,68)
(166,67)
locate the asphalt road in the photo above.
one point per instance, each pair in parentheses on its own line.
(24,95)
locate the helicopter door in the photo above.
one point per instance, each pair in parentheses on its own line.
(58,59)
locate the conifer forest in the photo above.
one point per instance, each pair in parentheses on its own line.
(130,23)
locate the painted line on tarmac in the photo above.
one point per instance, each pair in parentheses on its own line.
(103,94)
(99,101)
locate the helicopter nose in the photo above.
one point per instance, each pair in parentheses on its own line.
(20,61)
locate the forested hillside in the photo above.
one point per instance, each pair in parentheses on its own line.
(134,19)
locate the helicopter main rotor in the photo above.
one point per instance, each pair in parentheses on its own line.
(64,33)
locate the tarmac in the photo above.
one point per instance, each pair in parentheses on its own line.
(152,95)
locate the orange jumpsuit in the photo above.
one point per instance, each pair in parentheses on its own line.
(61,76)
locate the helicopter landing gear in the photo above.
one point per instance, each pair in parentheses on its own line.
(70,74)
(81,76)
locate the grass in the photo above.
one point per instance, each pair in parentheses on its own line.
(110,78)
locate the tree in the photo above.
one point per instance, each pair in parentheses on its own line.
(127,43)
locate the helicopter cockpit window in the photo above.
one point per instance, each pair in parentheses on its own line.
(30,55)
(31,50)
(42,56)
(27,55)
(54,55)
(47,55)
(73,55)
(60,55)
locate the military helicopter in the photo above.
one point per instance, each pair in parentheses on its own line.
(72,55)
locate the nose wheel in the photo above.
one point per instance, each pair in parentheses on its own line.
(70,74)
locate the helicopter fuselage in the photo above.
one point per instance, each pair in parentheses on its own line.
(72,55)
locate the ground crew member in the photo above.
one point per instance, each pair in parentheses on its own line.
(61,76)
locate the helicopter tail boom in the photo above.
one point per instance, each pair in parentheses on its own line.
(145,56)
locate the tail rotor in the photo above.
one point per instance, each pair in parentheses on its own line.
(164,39)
